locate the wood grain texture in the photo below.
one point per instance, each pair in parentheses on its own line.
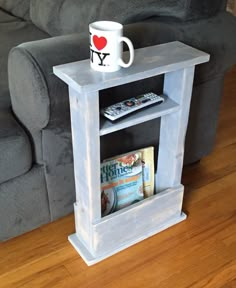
(91,260)
(148,62)
(86,153)
(137,221)
(198,253)
(96,237)
(178,86)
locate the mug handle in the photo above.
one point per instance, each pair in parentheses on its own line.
(131,51)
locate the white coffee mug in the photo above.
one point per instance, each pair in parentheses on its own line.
(106,47)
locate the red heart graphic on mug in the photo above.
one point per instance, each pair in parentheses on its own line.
(99,42)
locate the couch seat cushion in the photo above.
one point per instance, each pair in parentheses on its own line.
(5,17)
(11,35)
(16,153)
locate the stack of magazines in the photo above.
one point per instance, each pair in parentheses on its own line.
(127,179)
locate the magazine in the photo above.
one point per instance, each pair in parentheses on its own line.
(148,170)
(147,156)
(121,182)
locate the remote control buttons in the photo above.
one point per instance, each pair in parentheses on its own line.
(129,103)
(125,107)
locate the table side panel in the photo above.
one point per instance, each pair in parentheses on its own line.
(86,153)
(178,86)
(128,224)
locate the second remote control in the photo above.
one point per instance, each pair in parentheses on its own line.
(123,108)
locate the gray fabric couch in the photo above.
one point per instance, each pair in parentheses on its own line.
(36,161)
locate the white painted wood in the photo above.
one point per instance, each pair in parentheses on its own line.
(178,86)
(91,260)
(136,220)
(141,116)
(148,62)
(86,152)
(97,238)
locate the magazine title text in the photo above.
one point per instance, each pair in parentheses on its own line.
(112,171)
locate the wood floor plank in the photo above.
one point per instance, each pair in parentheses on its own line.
(39,243)
(218,164)
(27,272)
(225,274)
(47,278)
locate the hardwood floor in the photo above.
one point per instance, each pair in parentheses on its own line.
(199,252)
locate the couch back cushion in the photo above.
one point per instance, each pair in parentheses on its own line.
(58,17)
(196,9)
(19,8)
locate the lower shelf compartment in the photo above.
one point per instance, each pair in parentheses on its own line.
(132,224)
(91,260)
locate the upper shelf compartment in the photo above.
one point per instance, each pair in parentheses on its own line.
(148,62)
(146,114)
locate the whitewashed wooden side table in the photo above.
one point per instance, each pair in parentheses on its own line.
(97,237)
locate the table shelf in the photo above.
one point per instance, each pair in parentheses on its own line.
(146,114)
(150,61)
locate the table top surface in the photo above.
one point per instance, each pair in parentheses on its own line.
(149,61)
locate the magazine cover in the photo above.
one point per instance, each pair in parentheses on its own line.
(121,182)
(147,157)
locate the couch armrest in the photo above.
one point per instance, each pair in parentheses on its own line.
(37,95)
(39,99)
